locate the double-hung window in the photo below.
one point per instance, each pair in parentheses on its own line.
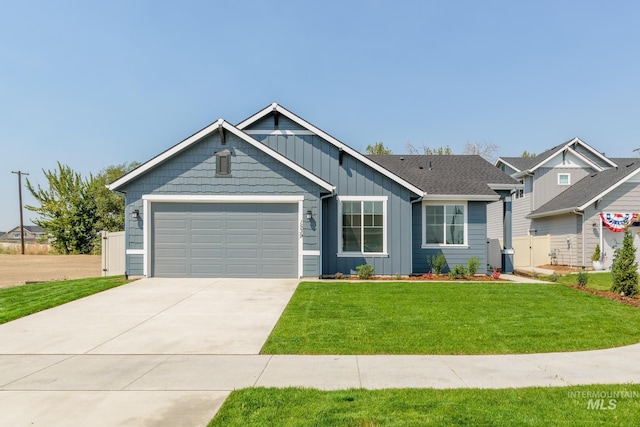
(362,225)
(444,224)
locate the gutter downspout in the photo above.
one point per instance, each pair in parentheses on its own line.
(582,215)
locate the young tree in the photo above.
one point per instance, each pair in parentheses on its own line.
(377,148)
(67,212)
(525,153)
(624,270)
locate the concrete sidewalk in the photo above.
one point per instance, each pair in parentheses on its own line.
(85,363)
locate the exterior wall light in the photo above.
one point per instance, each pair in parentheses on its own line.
(135,214)
(309,216)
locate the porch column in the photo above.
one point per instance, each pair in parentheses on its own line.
(507,251)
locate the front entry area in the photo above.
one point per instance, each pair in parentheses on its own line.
(224,240)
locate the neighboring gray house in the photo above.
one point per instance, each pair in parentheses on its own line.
(275,196)
(32,234)
(569,192)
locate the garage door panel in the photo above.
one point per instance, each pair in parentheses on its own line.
(225,240)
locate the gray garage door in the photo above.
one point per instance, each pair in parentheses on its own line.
(225,240)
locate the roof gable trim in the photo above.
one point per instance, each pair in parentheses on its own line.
(345,148)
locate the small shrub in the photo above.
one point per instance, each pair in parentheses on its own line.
(458,272)
(437,263)
(365,271)
(473,265)
(624,270)
(397,277)
(338,276)
(553,277)
(495,274)
(596,253)
(583,278)
(429,276)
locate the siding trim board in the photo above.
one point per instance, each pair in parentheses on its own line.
(150,199)
(219,124)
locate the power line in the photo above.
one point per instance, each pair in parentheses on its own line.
(20,173)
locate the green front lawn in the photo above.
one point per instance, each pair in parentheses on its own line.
(597,281)
(448,318)
(539,406)
(20,301)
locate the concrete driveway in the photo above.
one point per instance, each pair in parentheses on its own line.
(153,352)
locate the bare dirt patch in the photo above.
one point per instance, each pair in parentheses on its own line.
(20,269)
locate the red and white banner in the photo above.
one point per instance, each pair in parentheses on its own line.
(617,222)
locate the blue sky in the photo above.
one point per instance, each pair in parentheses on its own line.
(91,84)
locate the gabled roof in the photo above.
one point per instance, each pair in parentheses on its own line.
(29,228)
(322,134)
(525,165)
(589,189)
(215,127)
(449,176)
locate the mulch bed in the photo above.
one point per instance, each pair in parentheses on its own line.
(632,301)
(425,278)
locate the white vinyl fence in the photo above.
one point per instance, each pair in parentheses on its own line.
(532,251)
(113,260)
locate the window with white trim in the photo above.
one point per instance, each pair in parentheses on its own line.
(362,225)
(444,224)
(564,179)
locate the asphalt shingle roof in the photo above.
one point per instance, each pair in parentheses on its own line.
(445,174)
(589,187)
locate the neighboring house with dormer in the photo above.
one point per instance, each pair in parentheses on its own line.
(568,194)
(32,234)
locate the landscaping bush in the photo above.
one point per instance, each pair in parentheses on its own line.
(365,271)
(473,265)
(458,272)
(624,270)
(495,274)
(583,279)
(437,263)
(338,276)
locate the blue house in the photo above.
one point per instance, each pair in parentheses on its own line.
(275,196)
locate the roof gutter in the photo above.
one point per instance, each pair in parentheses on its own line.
(551,213)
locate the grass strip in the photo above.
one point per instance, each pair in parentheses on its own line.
(20,301)
(536,406)
(448,318)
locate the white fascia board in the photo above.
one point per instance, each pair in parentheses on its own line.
(595,152)
(553,213)
(353,153)
(505,186)
(585,159)
(609,190)
(508,164)
(467,197)
(282,159)
(165,155)
(203,198)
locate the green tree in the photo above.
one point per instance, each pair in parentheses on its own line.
(67,212)
(377,148)
(624,270)
(525,153)
(73,210)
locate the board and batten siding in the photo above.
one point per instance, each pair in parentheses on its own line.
(476,234)
(192,172)
(351,178)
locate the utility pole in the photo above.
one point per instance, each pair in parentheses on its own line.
(20,173)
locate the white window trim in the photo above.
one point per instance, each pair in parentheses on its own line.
(426,245)
(385,225)
(568,175)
